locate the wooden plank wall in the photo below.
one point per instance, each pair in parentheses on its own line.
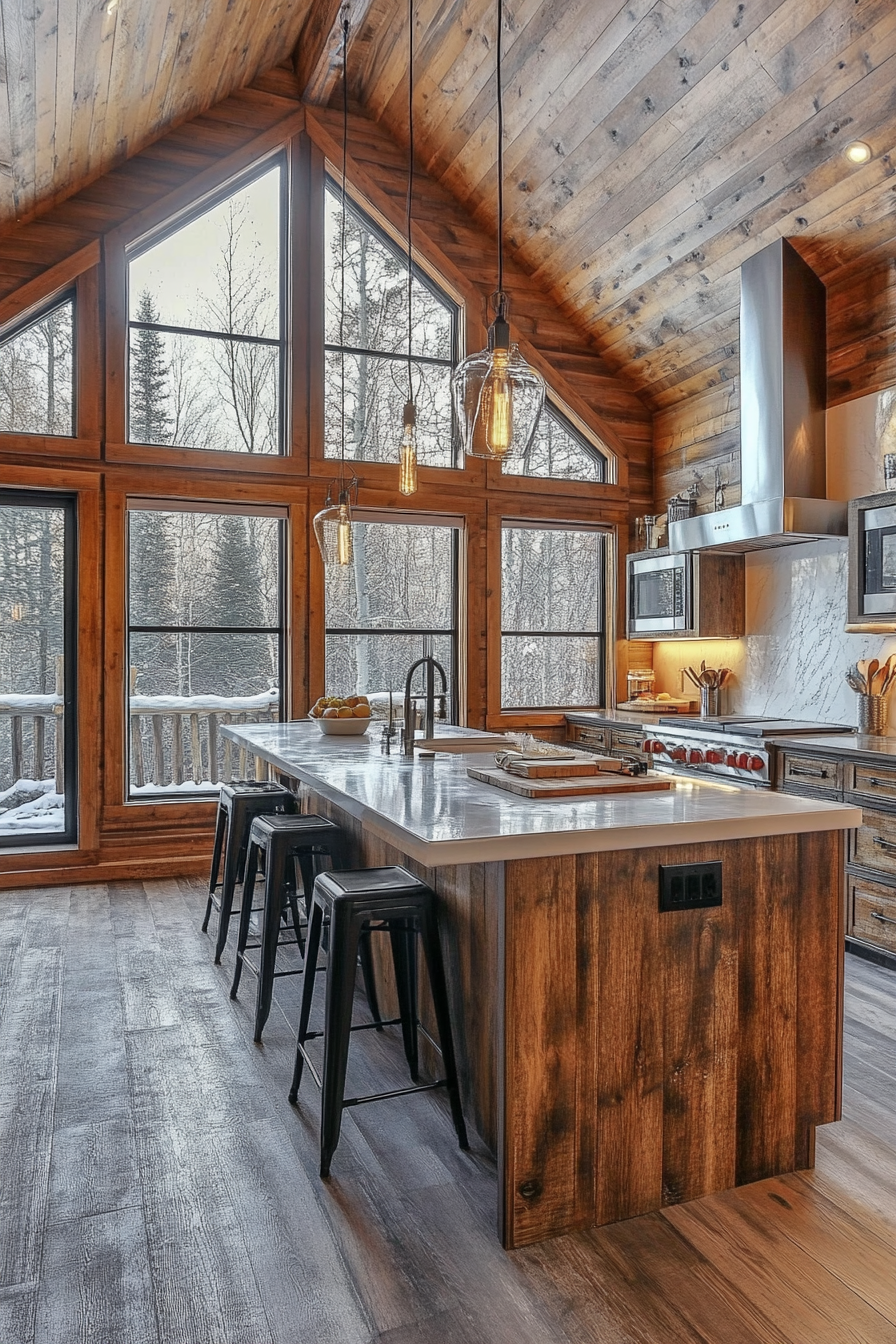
(79,241)
(695,434)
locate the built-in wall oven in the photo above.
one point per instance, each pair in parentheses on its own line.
(660,594)
(872,563)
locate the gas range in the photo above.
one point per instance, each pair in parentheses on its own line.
(731,747)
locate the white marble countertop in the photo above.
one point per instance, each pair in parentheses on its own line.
(843,744)
(433,812)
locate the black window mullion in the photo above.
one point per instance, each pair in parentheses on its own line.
(389,354)
(208,335)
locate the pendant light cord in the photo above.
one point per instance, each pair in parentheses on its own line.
(345,27)
(410,188)
(500,96)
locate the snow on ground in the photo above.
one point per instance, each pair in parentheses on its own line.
(31,805)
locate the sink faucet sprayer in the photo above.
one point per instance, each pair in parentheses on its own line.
(410,713)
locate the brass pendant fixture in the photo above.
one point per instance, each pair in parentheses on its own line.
(497,396)
(333,525)
(407,471)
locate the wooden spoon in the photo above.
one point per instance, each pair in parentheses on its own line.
(873,667)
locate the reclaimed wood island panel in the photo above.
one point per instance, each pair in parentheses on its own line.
(614,1057)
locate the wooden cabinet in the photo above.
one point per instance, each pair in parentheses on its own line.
(871,851)
(798,773)
(610,738)
(871,911)
(691,595)
(586,735)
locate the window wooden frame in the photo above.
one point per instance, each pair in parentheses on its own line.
(85,487)
(79,276)
(119,811)
(557,513)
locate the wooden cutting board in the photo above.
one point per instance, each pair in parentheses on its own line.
(548,769)
(570,788)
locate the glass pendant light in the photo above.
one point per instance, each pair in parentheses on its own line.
(497,396)
(407,470)
(333,525)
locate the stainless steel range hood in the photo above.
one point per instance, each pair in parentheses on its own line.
(782,405)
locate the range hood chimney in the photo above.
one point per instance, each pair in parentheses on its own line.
(782,416)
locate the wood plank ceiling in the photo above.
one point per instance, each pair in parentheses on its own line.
(651,145)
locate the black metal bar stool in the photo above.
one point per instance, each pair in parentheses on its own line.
(286,841)
(238,804)
(394,900)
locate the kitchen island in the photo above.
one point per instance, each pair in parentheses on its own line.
(614,1057)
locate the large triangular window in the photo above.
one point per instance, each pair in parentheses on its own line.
(206,339)
(559,451)
(37,363)
(366,343)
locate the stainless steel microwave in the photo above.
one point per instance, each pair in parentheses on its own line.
(660,594)
(872,563)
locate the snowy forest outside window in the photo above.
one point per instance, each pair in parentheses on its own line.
(37,669)
(559,451)
(552,615)
(372,338)
(37,374)
(206,342)
(205,621)
(399,591)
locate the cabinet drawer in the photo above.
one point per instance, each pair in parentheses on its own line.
(871,782)
(588,736)
(871,912)
(628,740)
(809,772)
(873,844)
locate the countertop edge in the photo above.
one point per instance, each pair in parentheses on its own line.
(820,815)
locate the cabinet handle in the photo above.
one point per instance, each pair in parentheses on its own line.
(885,845)
(805,770)
(881,783)
(884,919)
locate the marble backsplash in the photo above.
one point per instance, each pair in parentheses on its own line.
(792,663)
(793,660)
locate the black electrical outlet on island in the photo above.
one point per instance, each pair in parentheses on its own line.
(689,886)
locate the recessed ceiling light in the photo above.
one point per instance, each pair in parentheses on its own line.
(858,152)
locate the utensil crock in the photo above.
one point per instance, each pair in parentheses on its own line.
(872,714)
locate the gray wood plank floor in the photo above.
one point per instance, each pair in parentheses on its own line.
(157,1188)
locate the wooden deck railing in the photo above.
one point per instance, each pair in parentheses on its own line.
(175,740)
(29,741)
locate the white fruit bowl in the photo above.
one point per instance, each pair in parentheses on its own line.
(342,727)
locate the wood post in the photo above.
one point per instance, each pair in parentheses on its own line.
(195,749)
(177,749)
(40,729)
(158,751)
(60,724)
(17,748)
(213,748)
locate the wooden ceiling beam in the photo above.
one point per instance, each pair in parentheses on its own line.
(317,58)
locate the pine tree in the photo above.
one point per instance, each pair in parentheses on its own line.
(235,598)
(149,418)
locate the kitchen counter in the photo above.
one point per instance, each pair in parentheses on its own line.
(436,814)
(614,1055)
(859,745)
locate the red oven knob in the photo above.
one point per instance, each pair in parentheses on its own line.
(715,757)
(695,756)
(756,763)
(743,760)
(659,748)
(678,754)
(731,759)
